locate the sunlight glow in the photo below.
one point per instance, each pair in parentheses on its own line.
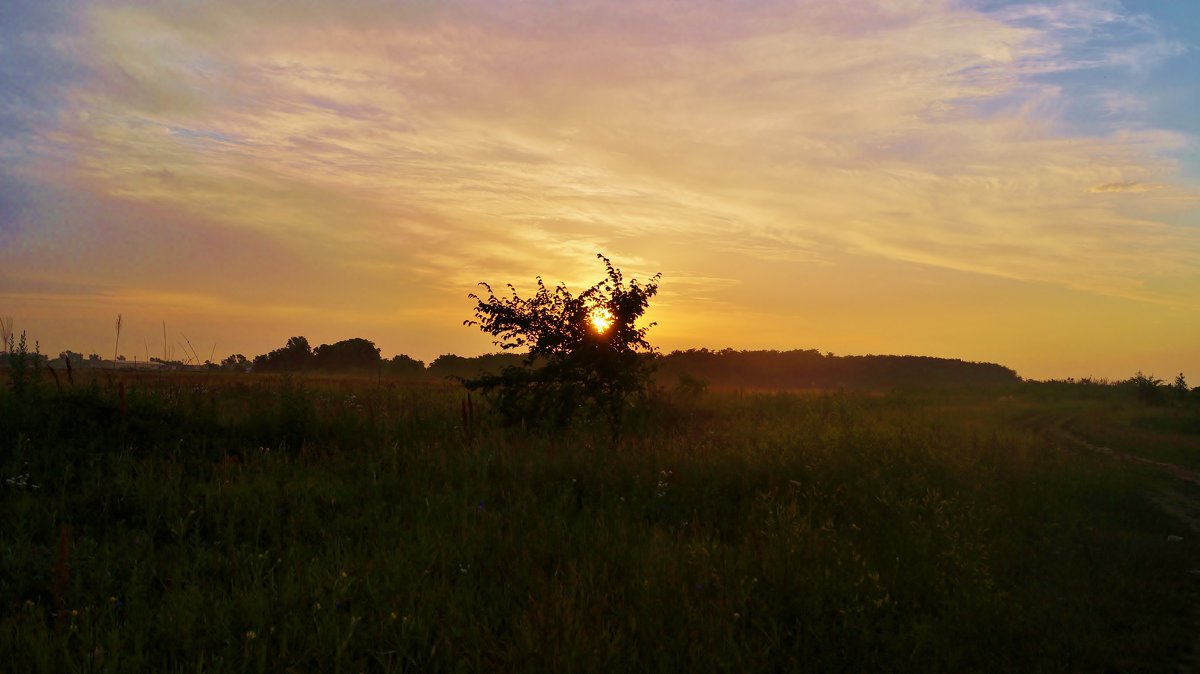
(866,176)
(601,319)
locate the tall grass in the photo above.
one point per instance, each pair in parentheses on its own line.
(230,523)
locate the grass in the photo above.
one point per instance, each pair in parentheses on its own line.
(1162,434)
(233,523)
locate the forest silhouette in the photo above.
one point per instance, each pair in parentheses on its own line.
(724,368)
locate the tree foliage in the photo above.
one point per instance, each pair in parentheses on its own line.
(236,363)
(812,369)
(405,366)
(348,355)
(572,363)
(295,356)
(1148,388)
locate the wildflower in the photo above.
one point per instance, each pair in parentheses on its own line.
(21,481)
(112,600)
(74,613)
(29,603)
(394,616)
(317,606)
(251,635)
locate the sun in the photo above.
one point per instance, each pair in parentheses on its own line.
(601,319)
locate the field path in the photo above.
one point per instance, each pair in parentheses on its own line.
(1185,474)
(1183,505)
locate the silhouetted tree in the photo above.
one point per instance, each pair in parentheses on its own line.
(402,365)
(236,363)
(584,351)
(1148,388)
(461,367)
(355,354)
(76,359)
(1180,390)
(295,356)
(810,368)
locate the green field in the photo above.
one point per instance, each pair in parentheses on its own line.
(211,522)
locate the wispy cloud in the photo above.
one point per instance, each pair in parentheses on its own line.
(1127,186)
(470,140)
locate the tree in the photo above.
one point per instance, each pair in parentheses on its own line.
(1148,388)
(293,357)
(235,363)
(348,354)
(75,359)
(451,366)
(403,365)
(585,352)
(1180,390)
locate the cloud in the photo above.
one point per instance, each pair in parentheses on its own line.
(461,141)
(1128,186)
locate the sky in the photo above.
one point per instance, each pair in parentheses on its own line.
(1012,182)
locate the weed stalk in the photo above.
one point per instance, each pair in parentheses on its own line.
(62,576)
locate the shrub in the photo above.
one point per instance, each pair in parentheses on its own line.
(585,352)
(1148,388)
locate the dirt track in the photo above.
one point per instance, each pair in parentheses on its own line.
(1182,504)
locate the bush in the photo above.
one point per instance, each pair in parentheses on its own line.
(585,352)
(1148,388)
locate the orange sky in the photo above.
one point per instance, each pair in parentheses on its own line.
(986,181)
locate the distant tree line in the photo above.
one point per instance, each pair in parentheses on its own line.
(360,355)
(797,369)
(450,365)
(693,368)
(1154,391)
(810,368)
(355,355)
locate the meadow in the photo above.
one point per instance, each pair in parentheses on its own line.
(214,522)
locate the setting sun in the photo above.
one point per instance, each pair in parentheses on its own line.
(601,318)
(909,305)
(1027,195)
